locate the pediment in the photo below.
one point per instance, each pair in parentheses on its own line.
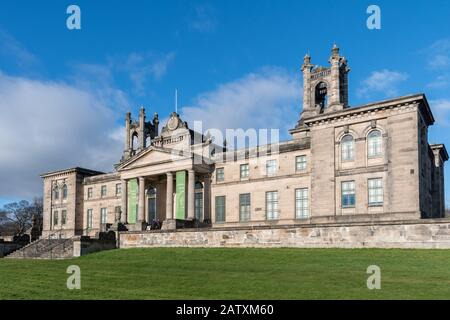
(152,156)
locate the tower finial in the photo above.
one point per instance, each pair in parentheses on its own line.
(335,50)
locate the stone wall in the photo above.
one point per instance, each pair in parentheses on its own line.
(400,234)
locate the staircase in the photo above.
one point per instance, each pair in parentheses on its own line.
(51,247)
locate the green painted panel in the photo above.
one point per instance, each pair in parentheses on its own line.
(132,200)
(180,190)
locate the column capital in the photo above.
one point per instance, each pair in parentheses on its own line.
(169,173)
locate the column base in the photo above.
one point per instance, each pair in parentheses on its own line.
(138,226)
(170,224)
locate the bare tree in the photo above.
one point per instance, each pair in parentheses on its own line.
(19,215)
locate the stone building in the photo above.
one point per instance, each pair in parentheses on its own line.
(367,163)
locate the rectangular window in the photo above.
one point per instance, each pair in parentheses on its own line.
(63,217)
(301,203)
(103,191)
(103,215)
(220,208)
(271,167)
(89,218)
(300,163)
(89,193)
(375,187)
(55,218)
(348,194)
(244,207)
(244,171)
(272,205)
(118,189)
(220,176)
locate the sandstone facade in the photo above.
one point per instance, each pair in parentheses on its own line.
(371,163)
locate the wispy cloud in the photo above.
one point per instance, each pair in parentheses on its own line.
(438,54)
(203,18)
(263,100)
(382,82)
(12,49)
(437,58)
(441,111)
(142,66)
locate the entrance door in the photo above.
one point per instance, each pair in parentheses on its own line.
(151,205)
(198,206)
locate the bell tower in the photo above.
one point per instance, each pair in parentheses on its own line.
(138,132)
(325,89)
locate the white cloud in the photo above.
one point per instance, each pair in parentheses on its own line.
(441,111)
(50,125)
(264,100)
(383,82)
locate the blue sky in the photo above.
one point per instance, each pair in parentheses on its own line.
(63,93)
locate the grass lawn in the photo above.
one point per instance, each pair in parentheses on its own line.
(189,273)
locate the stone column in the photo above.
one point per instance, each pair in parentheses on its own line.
(191,195)
(124,204)
(141,202)
(207,198)
(169,196)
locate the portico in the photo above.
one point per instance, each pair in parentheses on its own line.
(162,183)
(166,199)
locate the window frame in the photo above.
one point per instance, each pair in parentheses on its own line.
(375,188)
(247,170)
(378,145)
(297,162)
(245,216)
(63,217)
(55,217)
(103,187)
(222,174)
(56,193)
(348,192)
(90,218)
(90,193)
(301,209)
(272,215)
(275,167)
(65,192)
(347,155)
(221,206)
(118,189)
(103,216)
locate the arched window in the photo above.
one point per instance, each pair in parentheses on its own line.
(134,141)
(347,148)
(374,144)
(321,94)
(56,193)
(64,192)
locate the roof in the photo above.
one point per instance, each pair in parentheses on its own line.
(72,170)
(383,104)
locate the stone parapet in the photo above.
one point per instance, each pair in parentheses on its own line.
(421,234)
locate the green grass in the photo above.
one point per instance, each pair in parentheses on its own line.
(188,273)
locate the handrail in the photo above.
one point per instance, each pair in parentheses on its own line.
(64,242)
